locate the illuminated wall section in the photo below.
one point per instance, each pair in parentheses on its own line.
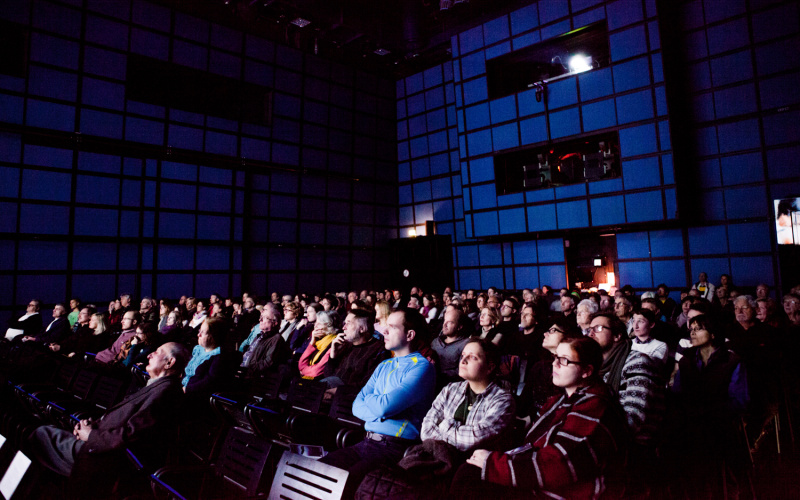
(627,96)
(735,70)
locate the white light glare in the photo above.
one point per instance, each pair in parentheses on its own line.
(580,63)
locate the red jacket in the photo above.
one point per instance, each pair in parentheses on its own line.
(571,450)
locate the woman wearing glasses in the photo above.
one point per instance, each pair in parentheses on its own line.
(574,450)
(539,377)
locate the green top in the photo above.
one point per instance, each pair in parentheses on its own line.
(465,407)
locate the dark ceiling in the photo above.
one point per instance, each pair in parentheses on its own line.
(415,32)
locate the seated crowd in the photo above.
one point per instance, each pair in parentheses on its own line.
(580,394)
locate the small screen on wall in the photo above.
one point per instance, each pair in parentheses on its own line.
(787,221)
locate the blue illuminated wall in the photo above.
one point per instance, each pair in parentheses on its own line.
(430,189)
(742,143)
(92,223)
(628,96)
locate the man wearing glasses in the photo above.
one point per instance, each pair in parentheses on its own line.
(631,374)
(635,377)
(28,325)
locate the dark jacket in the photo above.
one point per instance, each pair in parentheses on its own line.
(213,375)
(140,420)
(355,364)
(30,327)
(57,332)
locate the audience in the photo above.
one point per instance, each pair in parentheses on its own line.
(729,356)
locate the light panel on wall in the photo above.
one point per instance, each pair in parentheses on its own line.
(579,63)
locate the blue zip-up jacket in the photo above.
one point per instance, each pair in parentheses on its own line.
(397,396)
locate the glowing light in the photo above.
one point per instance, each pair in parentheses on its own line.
(580,63)
(412,232)
(612,280)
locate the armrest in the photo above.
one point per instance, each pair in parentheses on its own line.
(166,479)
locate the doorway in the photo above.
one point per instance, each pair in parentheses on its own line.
(591,261)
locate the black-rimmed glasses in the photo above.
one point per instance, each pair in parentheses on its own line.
(561,360)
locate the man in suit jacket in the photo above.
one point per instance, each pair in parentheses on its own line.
(29,325)
(56,331)
(139,420)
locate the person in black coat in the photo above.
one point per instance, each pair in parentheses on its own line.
(30,324)
(56,331)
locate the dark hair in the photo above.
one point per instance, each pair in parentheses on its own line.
(707,323)
(217,327)
(647,314)
(148,329)
(413,320)
(618,328)
(365,319)
(490,351)
(589,354)
(514,301)
(664,286)
(566,326)
(701,305)
(316,306)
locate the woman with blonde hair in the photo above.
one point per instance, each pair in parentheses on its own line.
(487,325)
(382,312)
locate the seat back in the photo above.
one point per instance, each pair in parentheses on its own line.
(242,459)
(300,477)
(230,410)
(342,405)
(84,383)
(65,375)
(267,386)
(17,479)
(306,395)
(108,392)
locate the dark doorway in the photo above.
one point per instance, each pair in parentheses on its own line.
(424,261)
(591,260)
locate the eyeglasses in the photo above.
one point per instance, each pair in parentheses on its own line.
(506,306)
(561,360)
(555,330)
(598,328)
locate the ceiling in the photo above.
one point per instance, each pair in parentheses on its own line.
(416,33)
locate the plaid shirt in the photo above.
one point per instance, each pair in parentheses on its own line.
(492,415)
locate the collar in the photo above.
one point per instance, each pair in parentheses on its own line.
(637,341)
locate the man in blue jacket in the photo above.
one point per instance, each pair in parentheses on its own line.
(393,403)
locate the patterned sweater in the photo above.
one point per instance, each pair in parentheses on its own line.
(642,396)
(571,451)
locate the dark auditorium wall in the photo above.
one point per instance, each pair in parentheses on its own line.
(704,97)
(152,200)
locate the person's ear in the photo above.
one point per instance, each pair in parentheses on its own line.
(587,372)
(410,335)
